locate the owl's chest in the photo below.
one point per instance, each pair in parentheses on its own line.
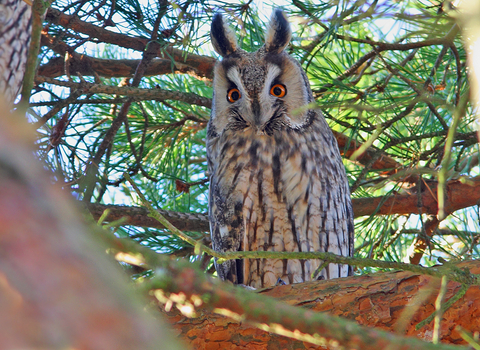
(274,188)
(265,174)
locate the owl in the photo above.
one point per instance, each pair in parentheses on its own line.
(15,31)
(277,181)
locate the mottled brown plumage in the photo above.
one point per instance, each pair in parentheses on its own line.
(277,180)
(15,32)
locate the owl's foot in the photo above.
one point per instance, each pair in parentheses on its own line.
(246,287)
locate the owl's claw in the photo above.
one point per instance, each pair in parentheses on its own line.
(246,287)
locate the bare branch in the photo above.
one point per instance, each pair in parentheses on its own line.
(459,195)
(138,216)
(201,65)
(136,93)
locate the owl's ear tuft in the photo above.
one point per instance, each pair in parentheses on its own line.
(223,38)
(278,32)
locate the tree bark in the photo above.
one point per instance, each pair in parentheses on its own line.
(394,301)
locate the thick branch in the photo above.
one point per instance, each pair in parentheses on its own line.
(459,195)
(394,301)
(58,290)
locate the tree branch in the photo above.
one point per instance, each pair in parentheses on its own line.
(134,92)
(58,289)
(91,66)
(201,65)
(459,195)
(109,68)
(394,301)
(139,216)
(390,166)
(180,283)
(89,181)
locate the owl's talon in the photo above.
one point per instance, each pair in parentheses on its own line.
(246,287)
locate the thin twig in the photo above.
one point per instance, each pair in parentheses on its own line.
(461,292)
(439,310)
(131,91)
(442,174)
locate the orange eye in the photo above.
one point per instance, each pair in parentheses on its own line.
(278,90)
(233,95)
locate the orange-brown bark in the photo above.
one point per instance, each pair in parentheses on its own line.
(458,195)
(394,301)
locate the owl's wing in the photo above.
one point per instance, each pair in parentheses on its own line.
(334,209)
(226,229)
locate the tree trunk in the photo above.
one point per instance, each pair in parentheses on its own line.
(393,301)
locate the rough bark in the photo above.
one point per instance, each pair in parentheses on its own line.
(394,301)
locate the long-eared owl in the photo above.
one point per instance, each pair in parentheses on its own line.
(277,179)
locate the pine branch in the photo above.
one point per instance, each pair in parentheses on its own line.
(384,301)
(201,65)
(110,68)
(459,195)
(139,216)
(450,271)
(135,92)
(85,65)
(59,289)
(89,181)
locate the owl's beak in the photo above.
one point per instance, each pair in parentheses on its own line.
(257,113)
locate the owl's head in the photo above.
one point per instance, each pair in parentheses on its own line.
(258,91)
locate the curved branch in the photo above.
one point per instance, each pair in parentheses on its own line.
(201,65)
